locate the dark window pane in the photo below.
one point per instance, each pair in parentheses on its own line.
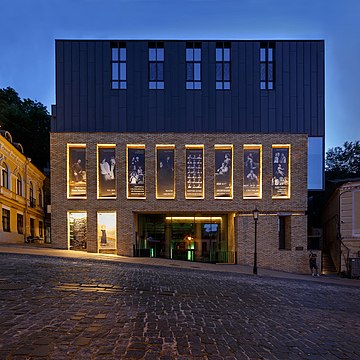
(152,68)
(123,54)
(160,54)
(262,85)
(115,71)
(270,85)
(122,71)
(262,54)
(197,54)
(262,72)
(122,84)
(219,85)
(160,85)
(219,72)
(152,85)
(226,71)
(270,72)
(197,86)
(115,54)
(189,71)
(270,54)
(226,54)
(152,54)
(189,85)
(219,53)
(189,55)
(197,75)
(160,71)
(115,85)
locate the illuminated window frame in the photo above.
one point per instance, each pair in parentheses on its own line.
(164,147)
(229,147)
(98,147)
(68,147)
(283,146)
(68,223)
(196,147)
(254,147)
(134,146)
(98,230)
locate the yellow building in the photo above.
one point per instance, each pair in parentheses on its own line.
(21,194)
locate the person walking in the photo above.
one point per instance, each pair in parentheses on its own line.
(313,265)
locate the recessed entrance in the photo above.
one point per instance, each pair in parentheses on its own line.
(184,237)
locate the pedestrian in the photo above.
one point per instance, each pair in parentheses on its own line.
(313,265)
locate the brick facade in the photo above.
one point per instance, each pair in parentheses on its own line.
(239,210)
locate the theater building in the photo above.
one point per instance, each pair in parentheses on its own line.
(165,148)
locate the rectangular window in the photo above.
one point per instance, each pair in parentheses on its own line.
(194,177)
(284,223)
(32,227)
(136,171)
(165,175)
(76,171)
(40,229)
(223,177)
(252,186)
(280,182)
(267,65)
(19,185)
(156,65)
(106,229)
(223,69)
(20,223)
(356,213)
(106,171)
(6,220)
(193,65)
(77,230)
(315,163)
(118,65)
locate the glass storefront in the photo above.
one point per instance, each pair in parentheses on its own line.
(77,230)
(189,237)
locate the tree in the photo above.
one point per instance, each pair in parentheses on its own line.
(28,122)
(343,161)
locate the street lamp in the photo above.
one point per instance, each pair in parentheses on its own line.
(256,218)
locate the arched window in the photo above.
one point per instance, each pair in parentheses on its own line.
(19,185)
(5,176)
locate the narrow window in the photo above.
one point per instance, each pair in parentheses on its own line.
(5,176)
(20,223)
(32,227)
(156,65)
(32,199)
(284,233)
(40,198)
(223,69)
(193,66)
(267,65)
(118,65)
(6,220)
(40,229)
(19,185)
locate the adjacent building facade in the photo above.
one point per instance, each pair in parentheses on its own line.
(21,195)
(165,148)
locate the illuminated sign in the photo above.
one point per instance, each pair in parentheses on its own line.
(135,171)
(106,230)
(223,183)
(76,171)
(280,182)
(252,172)
(77,230)
(106,171)
(194,177)
(165,173)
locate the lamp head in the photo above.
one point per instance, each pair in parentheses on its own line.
(256,214)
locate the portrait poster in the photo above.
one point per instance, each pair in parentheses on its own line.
(194,173)
(107,172)
(223,172)
(106,229)
(280,174)
(76,171)
(252,173)
(165,184)
(77,230)
(136,172)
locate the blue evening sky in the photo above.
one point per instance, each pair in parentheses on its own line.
(28,29)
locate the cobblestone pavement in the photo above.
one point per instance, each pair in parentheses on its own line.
(57,308)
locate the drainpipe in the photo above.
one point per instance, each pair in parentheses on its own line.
(27,162)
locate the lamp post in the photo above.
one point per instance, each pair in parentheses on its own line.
(256,218)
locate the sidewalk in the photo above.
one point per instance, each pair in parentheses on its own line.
(43,250)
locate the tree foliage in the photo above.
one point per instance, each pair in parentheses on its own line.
(343,161)
(28,122)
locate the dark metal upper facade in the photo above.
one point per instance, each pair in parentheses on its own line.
(86,102)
